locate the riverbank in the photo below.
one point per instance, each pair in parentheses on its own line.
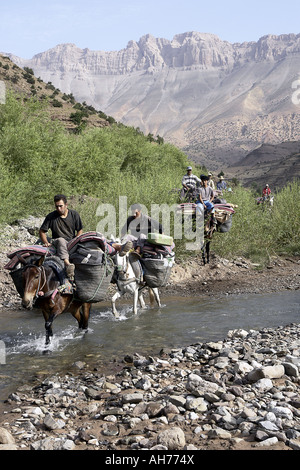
(241,393)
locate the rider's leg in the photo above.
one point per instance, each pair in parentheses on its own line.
(61,246)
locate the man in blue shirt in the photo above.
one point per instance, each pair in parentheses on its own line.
(221,184)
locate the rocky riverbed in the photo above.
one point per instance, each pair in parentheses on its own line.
(241,393)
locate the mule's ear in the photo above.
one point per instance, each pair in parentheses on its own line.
(21,259)
(40,261)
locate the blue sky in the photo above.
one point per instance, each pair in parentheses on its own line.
(32,26)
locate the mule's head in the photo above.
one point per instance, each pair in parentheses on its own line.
(32,278)
(121,263)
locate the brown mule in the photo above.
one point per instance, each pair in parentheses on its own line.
(40,284)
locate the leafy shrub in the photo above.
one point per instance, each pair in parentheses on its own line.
(38,159)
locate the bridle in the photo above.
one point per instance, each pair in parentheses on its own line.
(121,273)
(41,270)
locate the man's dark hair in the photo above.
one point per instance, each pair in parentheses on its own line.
(137,207)
(60,197)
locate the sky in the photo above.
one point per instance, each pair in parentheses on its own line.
(28,27)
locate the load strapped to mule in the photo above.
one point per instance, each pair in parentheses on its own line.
(93,266)
(157,260)
(223,214)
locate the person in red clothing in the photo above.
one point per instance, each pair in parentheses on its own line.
(266,192)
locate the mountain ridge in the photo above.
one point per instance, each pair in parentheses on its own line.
(216,100)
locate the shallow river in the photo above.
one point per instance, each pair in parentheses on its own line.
(180,322)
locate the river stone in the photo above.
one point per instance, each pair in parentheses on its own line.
(177,400)
(50,443)
(198,386)
(173,438)
(52,424)
(282,412)
(273,372)
(215,346)
(255,375)
(295,444)
(6,437)
(268,426)
(196,403)
(291,369)
(242,367)
(219,433)
(267,442)
(154,409)
(8,447)
(263,385)
(144,383)
(132,398)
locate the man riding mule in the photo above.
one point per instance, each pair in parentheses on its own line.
(65,224)
(139,226)
(189,185)
(205,198)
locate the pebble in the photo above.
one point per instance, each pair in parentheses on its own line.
(185,399)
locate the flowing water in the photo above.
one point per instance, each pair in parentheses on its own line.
(180,322)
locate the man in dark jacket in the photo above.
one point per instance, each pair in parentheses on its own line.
(139,226)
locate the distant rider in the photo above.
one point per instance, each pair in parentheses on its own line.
(205,198)
(266,192)
(189,183)
(221,184)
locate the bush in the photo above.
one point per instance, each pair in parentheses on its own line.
(38,159)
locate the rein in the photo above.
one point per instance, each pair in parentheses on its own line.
(41,270)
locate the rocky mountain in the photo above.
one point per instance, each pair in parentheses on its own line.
(272,164)
(216,100)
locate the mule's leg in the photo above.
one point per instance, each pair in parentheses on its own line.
(113,303)
(85,315)
(203,254)
(135,300)
(141,300)
(48,325)
(155,293)
(207,251)
(81,312)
